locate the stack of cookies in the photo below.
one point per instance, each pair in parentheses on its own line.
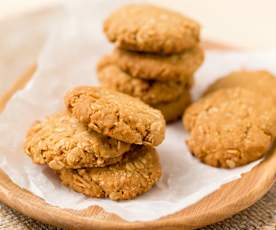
(103,145)
(157,52)
(234,123)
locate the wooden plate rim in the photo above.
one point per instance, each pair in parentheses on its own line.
(261,177)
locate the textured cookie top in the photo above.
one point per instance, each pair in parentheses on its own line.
(156,67)
(151,92)
(135,174)
(231,127)
(61,141)
(259,81)
(116,115)
(152,29)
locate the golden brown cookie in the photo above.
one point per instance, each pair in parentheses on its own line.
(156,67)
(135,174)
(151,92)
(148,28)
(116,115)
(259,81)
(231,127)
(61,141)
(173,110)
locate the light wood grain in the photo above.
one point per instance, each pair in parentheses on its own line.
(223,203)
(19,84)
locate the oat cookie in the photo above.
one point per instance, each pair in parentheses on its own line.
(135,174)
(116,115)
(148,28)
(61,141)
(156,67)
(260,81)
(231,127)
(151,92)
(173,110)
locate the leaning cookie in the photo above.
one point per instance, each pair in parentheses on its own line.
(176,67)
(230,127)
(148,28)
(135,174)
(173,110)
(116,115)
(61,141)
(259,81)
(151,92)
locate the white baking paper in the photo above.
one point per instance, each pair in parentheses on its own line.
(68,59)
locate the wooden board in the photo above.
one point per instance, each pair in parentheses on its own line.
(223,203)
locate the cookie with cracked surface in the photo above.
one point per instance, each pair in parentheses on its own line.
(151,92)
(176,67)
(61,141)
(230,127)
(116,115)
(148,28)
(135,174)
(260,81)
(174,110)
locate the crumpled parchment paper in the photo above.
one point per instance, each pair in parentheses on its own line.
(69,59)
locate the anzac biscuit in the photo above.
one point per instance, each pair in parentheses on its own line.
(260,81)
(135,174)
(116,115)
(151,92)
(231,127)
(148,28)
(173,110)
(156,67)
(61,141)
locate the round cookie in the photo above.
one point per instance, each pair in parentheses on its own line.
(151,92)
(116,115)
(259,81)
(173,110)
(61,141)
(230,127)
(156,67)
(148,28)
(135,174)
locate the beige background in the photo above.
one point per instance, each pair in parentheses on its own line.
(247,23)
(243,23)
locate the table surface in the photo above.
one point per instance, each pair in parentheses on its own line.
(222,20)
(245,23)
